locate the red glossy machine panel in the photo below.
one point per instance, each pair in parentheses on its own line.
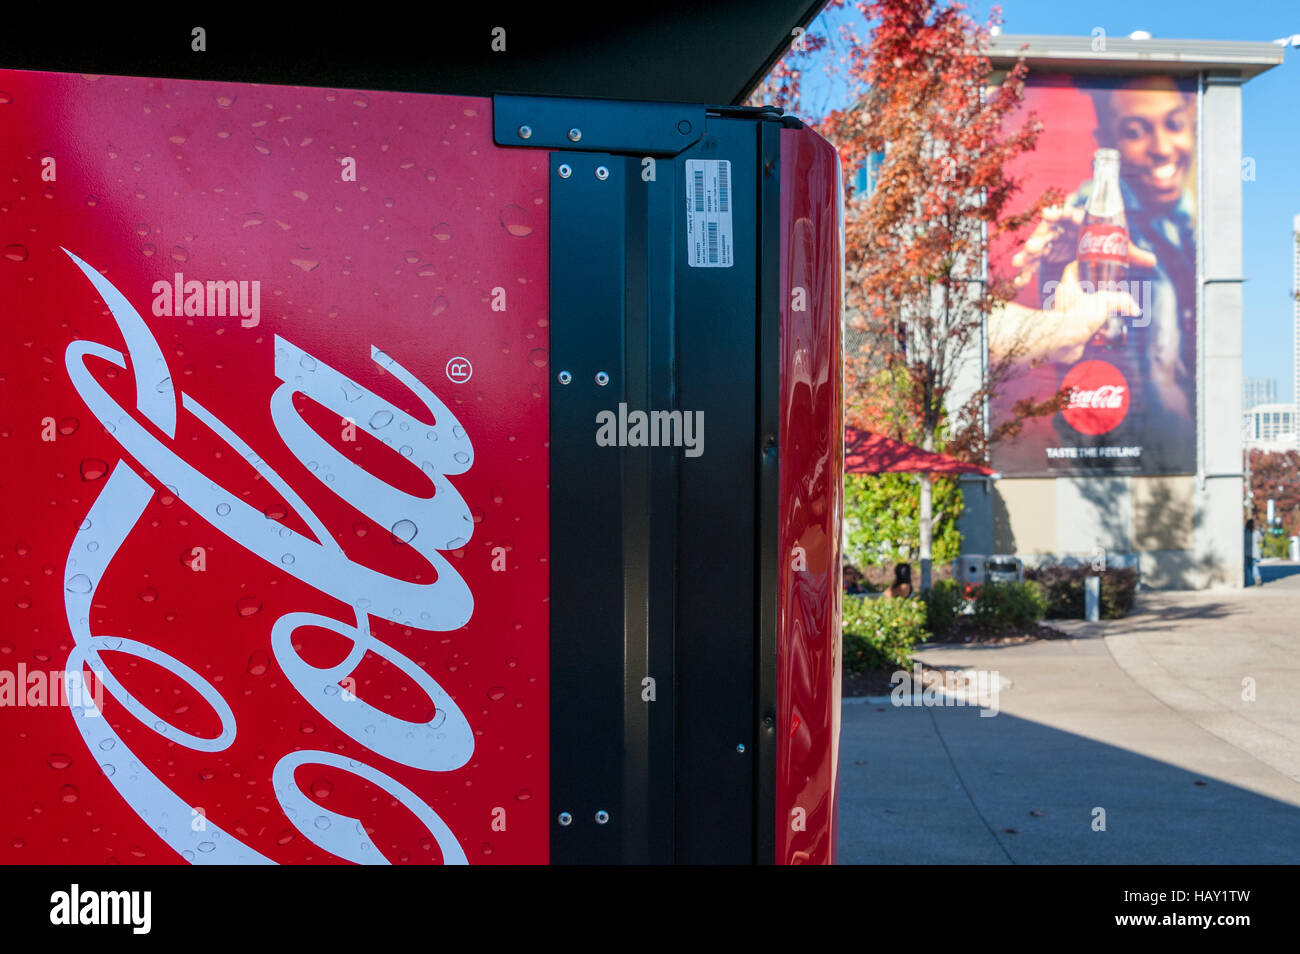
(273,431)
(811,499)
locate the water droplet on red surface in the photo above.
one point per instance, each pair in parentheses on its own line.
(262,146)
(253,218)
(516,221)
(404,531)
(321,788)
(225,100)
(58,761)
(69,793)
(6,99)
(439,305)
(538,357)
(93,468)
(258,663)
(285,836)
(180,254)
(148,595)
(306,264)
(248,605)
(442,231)
(68,426)
(360,100)
(16,253)
(496,693)
(523,795)
(307,727)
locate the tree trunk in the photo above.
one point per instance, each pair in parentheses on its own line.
(927,515)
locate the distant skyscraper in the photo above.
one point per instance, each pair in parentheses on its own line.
(1257,391)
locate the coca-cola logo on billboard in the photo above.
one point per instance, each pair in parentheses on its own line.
(1104,243)
(1097,397)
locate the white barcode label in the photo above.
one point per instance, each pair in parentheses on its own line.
(708,213)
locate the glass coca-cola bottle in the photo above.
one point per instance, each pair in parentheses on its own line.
(1103,243)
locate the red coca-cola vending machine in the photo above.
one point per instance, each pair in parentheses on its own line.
(416,477)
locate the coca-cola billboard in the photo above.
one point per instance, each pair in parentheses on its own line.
(1107,283)
(274,566)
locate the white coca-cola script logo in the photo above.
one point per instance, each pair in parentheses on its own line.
(443,743)
(1107,396)
(1103,242)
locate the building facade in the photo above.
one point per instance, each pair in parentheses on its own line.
(1144,463)
(1257,391)
(1295,312)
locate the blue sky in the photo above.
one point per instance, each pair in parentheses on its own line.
(1270,135)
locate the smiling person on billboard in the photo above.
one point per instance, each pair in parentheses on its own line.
(1116,273)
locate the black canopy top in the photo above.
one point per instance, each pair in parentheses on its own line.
(702,52)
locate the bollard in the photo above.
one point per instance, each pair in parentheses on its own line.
(1092,599)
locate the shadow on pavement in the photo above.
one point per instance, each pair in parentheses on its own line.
(1277,571)
(943,786)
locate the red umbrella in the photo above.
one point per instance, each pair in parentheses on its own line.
(868,453)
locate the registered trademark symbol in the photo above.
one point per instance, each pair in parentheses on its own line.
(459,370)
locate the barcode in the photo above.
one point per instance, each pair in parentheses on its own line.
(724,189)
(699,190)
(713,243)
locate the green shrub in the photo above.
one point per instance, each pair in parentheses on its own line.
(882,631)
(1009,605)
(942,604)
(1274,546)
(1063,587)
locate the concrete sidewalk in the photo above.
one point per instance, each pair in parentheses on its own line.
(1148,719)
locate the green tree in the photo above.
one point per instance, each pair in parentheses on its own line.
(882,515)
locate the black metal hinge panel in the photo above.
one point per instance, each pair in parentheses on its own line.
(586,555)
(596,125)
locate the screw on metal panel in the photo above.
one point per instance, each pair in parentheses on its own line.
(768,722)
(741,748)
(565,171)
(575,134)
(684,127)
(525,132)
(565,377)
(602,817)
(602,378)
(602,173)
(565,819)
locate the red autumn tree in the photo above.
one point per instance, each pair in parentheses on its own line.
(1275,475)
(918,289)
